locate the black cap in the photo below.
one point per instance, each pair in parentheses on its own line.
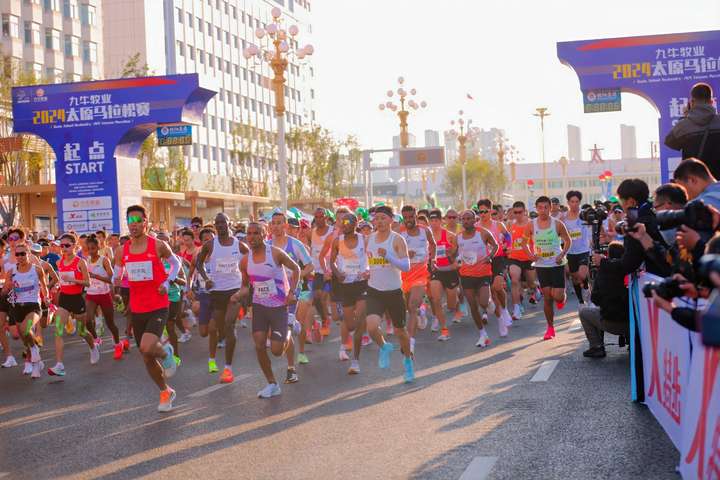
(555,200)
(293,222)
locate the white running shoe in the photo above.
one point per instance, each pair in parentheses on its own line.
(491,306)
(443,338)
(485,318)
(221,344)
(94,355)
(342,354)
(435,325)
(483,341)
(412,345)
(516,312)
(185,337)
(271,390)
(422,320)
(34,354)
(366,340)
(243,323)
(505,315)
(502,327)
(354,368)
(27,369)
(36,369)
(9,362)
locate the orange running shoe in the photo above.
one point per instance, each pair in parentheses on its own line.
(226,376)
(126,345)
(325,329)
(166,400)
(118,351)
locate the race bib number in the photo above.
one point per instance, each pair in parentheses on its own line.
(95,285)
(351,268)
(263,290)
(469,258)
(441,251)
(575,234)
(546,254)
(226,265)
(377,261)
(517,243)
(139,271)
(66,278)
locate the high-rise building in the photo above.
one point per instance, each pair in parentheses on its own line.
(482,143)
(574,143)
(397,173)
(56,40)
(628,141)
(208,37)
(432,138)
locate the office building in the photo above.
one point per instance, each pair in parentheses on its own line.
(574,143)
(628,141)
(432,138)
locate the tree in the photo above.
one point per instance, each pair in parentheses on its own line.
(484,179)
(133,67)
(163,170)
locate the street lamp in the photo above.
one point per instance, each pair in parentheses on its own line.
(406,98)
(462,138)
(542,113)
(275,52)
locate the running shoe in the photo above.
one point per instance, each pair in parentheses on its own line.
(292,376)
(491,306)
(243,323)
(126,345)
(325,329)
(100,326)
(212,366)
(226,376)
(366,340)
(390,330)
(36,370)
(221,344)
(464,309)
(549,333)
(412,345)
(185,337)
(98,342)
(354,368)
(342,355)
(94,355)
(58,370)
(422,320)
(168,363)
(560,305)
(178,361)
(384,355)
(27,369)
(271,390)
(483,341)
(516,312)
(532,298)
(502,327)
(9,362)
(409,375)
(34,354)
(303,359)
(435,325)
(485,318)
(70,327)
(118,351)
(166,400)
(444,335)
(458,316)
(506,317)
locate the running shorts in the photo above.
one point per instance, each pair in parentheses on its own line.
(448,278)
(319,283)
(498,266)
(219,299)
(335,290)
(4,304)
(103,301)
(350,293)
(577,259)
(273,318)
(19,311)
(551,277)
(391,301)
(475,283)
(149,322)
(418,276)
(174,311)
(74,304)
(523,264)
(205,309)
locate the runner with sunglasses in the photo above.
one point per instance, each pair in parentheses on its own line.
(444,276)
(15,237)
(142,257)
(73,273)
(520,257)
(321,281)
(579,254)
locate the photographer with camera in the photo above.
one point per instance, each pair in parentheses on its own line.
(579,254)
(610,298)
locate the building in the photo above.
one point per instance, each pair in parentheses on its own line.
(481,142)
(432,138)
(397,174)
(574,143)
(628,141)
(208,37)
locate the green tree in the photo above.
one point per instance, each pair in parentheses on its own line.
(484,179)
(163,168)
(134,68)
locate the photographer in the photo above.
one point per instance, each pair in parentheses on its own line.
(611,297)
(697,180)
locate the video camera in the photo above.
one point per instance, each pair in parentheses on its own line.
(695,215)
(591,215)
(623,227)
(667,288)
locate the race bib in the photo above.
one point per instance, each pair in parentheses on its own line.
(351,268)
(546,254)
(441,251)
(469,258)
(66,278)
(139,271)
(263,290)
(377,261)
(575,234)
(226,265)
(96,285)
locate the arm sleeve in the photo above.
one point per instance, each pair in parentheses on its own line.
(174,267)
(403,264)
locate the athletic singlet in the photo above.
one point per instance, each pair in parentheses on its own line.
(352,262)
(579,234)
(145,275)
(316,245)
(98,287)
(470,250)
(225,266)
(442,251)
(494,229)
(547,244)
(174,290)
(383,275)
(295,250)
(517,232)
(68,273)
(269,281)
(187,256)
(26,286)
(418,244)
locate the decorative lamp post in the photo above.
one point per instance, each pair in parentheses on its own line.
(462,138)
(531,186)
(275,53)
(542,113)
(407,103)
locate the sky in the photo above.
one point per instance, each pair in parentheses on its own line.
(501,52)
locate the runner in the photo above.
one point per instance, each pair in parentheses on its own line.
(27,284)
(199,293)
(321,282)
(476,248)
(15,237)
(578,256)
(349,263)
(104,249)
(451,221)
(175,297)
(74,278)
(555,208)
(224,281)
(444,275)
(552,243)
(148,281)
(421,251)
(264,269)
(502,238)
(520,257)
(388,257)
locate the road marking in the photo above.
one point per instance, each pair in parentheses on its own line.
(218,386)
(576,326)
(545,370)
(479,468)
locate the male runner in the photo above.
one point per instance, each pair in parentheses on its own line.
(555,208)
(520,256)
(264,268)
(224,281)
(451,221)
(421,251)
(201,297)
(349,263)
(552,243)
(444,276)
(476,248)
(15,237)
(579,254)
(387,253)
(142,257)
(502,238)
(321,282)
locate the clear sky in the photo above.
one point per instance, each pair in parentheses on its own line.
(501,52)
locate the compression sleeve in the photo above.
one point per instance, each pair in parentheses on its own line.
(174,267)
(403,264)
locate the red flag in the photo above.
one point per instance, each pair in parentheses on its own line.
(470,97)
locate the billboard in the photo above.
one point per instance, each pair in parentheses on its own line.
(174,135)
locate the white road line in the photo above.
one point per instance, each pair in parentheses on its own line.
(576,326)
(4,474)
(545,370)
(218,386)
(479,468)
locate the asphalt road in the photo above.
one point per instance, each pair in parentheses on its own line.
(472,413)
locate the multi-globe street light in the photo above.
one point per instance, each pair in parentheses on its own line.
(462,135)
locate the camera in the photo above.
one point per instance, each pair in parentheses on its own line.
(668,289)
(592,215)
(629,224)
(695,215)
(708,264)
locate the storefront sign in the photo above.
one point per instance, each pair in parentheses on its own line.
(174,135)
